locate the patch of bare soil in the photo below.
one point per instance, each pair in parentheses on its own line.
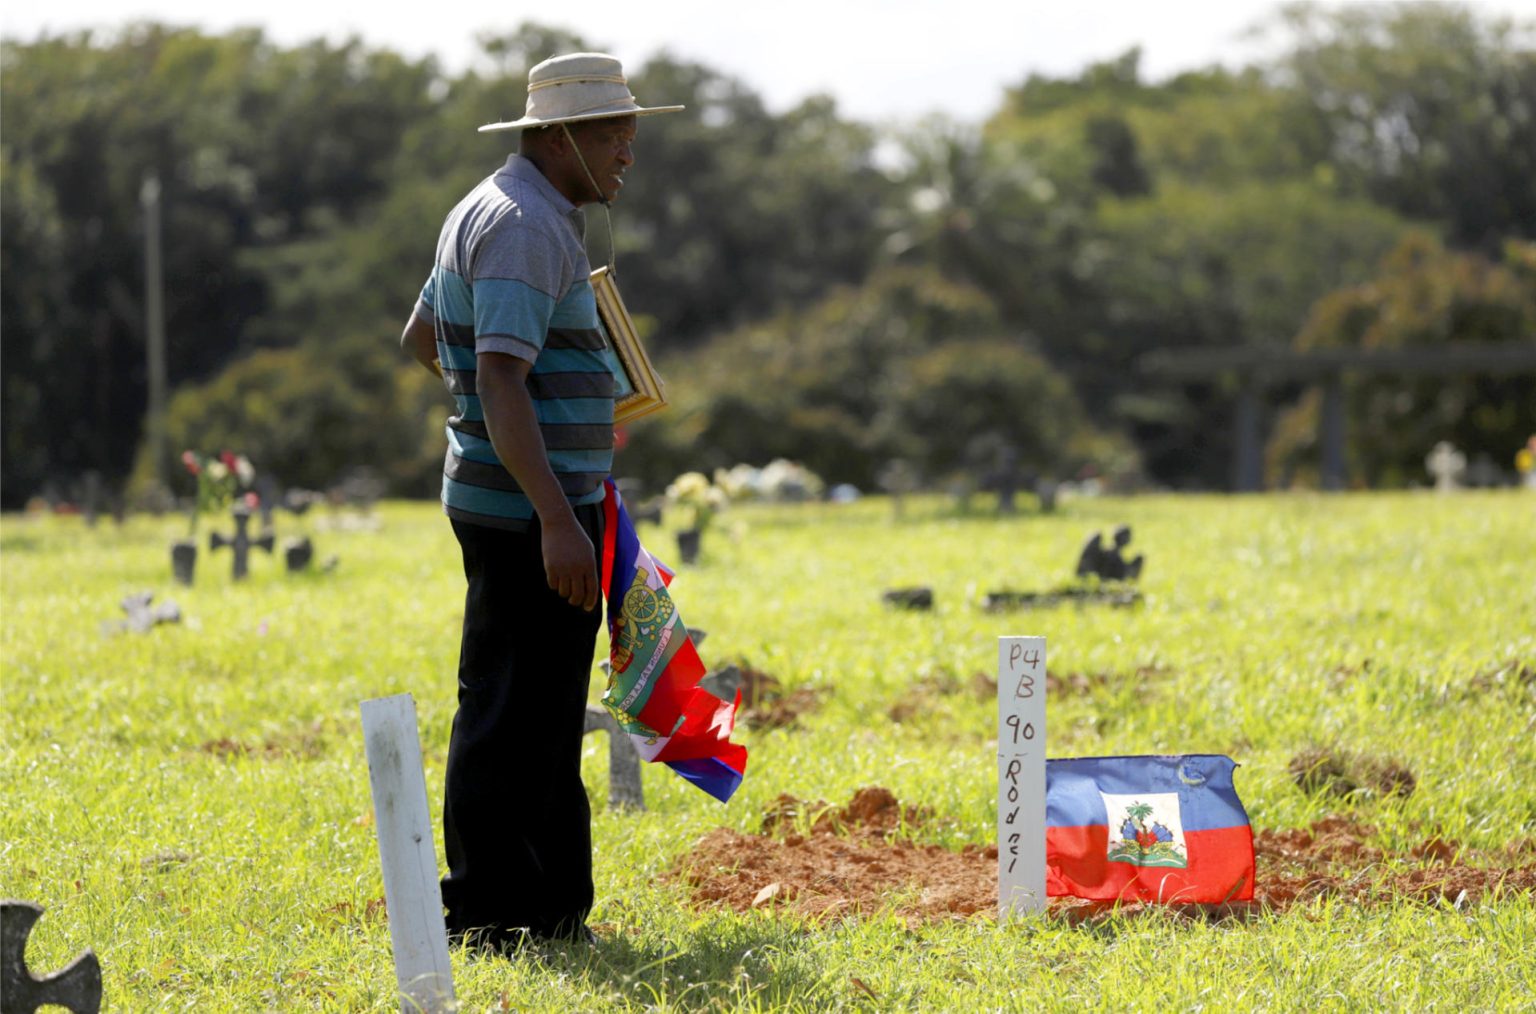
(818,861)
(1340,772)
(307,742)
(1514,674)
(766,705)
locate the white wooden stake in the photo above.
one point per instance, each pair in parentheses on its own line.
(411,892)
(1020,775)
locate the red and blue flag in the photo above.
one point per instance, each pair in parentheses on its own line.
(1164,829)
(654,670)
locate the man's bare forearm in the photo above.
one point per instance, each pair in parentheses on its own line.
(419,341)
(502,383)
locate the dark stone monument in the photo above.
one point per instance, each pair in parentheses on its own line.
(1004,478)
(183,560)
(909,598)
(723,683)
(1108,563)
(77,986)
(688,542)
(240,545)
(298,553)
(298,501)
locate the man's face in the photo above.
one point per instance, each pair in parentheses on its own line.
(607,147)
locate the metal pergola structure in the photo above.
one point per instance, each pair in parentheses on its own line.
(1256,367)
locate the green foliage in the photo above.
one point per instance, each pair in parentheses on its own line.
(1427,108)
(1423,295)
(193,803)
(1099,214)
(277,407)
(252,145)
(908,366)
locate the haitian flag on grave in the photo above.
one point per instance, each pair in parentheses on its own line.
(1166,829)
(654,670)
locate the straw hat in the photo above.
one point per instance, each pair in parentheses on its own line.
(575,87)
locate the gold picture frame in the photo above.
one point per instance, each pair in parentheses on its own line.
(640,389)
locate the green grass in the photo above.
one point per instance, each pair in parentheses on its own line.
(193,803)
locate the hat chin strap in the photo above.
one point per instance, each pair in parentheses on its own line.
(613,265)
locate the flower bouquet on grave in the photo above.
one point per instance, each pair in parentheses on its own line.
(696,501)
(218,480)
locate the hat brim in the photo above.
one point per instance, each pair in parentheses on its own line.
(609,114)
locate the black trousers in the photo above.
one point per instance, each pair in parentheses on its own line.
(516,822)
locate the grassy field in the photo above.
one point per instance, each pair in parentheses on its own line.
(193,803)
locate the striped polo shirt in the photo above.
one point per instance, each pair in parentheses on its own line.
(512,277)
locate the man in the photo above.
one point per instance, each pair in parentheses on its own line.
(509,320)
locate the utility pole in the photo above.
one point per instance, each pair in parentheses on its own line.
(154,313)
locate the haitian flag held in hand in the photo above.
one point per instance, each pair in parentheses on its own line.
(1163,829)
(653,687)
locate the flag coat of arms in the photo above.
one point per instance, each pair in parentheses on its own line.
(653,690)
(1165,829)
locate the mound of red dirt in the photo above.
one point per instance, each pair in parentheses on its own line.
(819,861)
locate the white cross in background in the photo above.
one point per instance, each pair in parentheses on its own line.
(1446,464)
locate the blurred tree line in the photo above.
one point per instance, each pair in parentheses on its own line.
(814,288)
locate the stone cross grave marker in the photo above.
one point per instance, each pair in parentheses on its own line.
(142,616)
(1446,464)
(1020,775)
(240,545)
(77,986)
(625,790)
(412,897)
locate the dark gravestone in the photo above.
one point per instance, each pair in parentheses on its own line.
(240,545)
(184,560)
(909,598)
(77,986)
(688,542)
(1004,479)
(298,553)
(298,501)
(1108,563)
(267,498)
(723,683)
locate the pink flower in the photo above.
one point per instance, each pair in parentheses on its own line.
(190,461)
(252,500)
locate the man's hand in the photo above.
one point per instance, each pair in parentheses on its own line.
(570,563)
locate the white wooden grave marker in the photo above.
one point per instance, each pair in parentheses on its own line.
(411,893)
(1020,775)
